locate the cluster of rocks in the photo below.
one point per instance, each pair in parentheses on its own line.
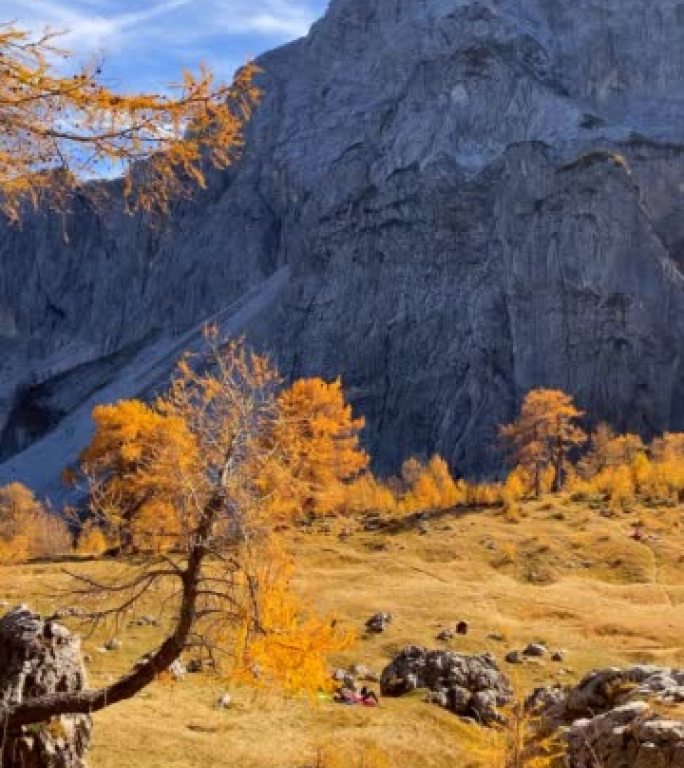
(40,657)
(533,651)
(380,622)
(627,736)
(470,686)
(461,628)
(615,718)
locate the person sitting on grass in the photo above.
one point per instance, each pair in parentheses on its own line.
(368,697)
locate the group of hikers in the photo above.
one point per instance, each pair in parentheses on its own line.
(366,697)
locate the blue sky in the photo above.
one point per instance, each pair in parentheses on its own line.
(145,43)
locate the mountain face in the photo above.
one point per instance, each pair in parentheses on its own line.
(445,202)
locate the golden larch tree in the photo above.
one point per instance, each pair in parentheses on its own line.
(668,447)
(545,431)
(432,486)
(133,465)
(318,441)
(608,449)
(198,451)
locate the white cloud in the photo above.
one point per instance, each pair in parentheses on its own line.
(145,40)
(85,31)
(270,17)
(94,24)
(268,23)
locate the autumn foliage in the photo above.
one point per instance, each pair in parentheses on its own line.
(431,486)
(193,491)
(27,529)
(205,475)
(543,435)
(315,443)
(145,461)
(147,465)
(291,647)
(57,131)
(136,465)
(92,541)
(550,450)
(623,469)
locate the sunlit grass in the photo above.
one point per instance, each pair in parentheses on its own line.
(576,581)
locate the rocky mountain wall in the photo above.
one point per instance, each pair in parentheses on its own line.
(471,198)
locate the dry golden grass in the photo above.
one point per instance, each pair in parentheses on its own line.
(560,573)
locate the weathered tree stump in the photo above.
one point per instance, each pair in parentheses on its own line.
(38,657)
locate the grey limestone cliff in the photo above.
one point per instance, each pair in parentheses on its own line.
(459,200)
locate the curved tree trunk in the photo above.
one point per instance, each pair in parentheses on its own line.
(41,708)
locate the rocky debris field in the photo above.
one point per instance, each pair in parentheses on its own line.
(618,718)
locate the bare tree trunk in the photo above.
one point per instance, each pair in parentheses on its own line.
(43,708)
(558,464)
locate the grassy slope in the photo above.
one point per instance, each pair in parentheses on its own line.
(562,574)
